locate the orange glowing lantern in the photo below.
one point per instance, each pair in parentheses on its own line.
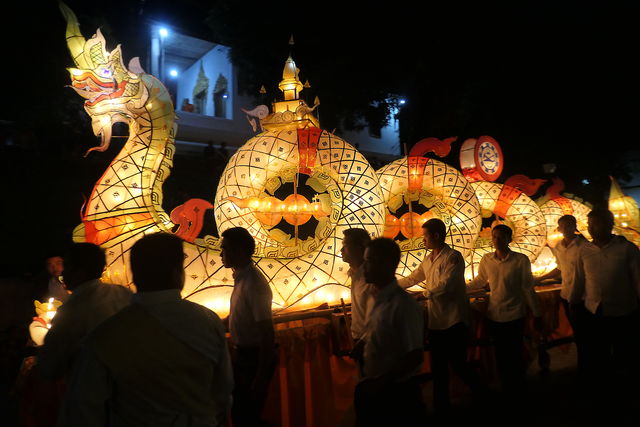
(391,226)
(297,209)
(411,225)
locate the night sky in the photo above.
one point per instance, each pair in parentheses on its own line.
(552,81)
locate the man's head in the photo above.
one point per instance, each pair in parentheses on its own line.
(567,225)
(354,243)
(381,260)
(157,263)
(237,247)
(501,237)
(83,262)
(600,223)
(55,265)
(433,233)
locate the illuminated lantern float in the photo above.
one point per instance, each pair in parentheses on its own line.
(554,205)
(415,189)
(294,186)
(482,163)
(625,213)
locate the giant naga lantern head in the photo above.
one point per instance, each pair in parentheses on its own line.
(294,187)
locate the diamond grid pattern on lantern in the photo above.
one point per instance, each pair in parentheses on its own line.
(300,273)
(528,221)
(444,184)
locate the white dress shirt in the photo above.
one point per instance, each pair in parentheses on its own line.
(179,344)
(90,304)
(447,302)
(362,301)
(250,304)
(567,260)
(395,327)
(511,286)
(610,276)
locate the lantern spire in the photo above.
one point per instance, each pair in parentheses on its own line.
(290,85)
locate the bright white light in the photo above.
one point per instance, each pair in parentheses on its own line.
(163,32)
(173,72)
(402,102)
(585,181)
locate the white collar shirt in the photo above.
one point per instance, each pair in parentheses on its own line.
(567,259)
(511,286)
(395,327)
(362,301)
(610,276)
(250,304)
(445,289)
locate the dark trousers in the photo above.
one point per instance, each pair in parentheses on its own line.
(449,347)
(611,344)
(396,404)
(507,338)
(247,401)
(576,314)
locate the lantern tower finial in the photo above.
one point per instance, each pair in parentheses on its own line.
(290,85)
(292,111)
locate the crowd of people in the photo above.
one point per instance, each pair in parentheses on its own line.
(152,358)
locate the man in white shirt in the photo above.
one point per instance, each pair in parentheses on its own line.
(161,360)
(510,282)
(394,349)
(609,271)
(566,253)
(442,270)
(251,327)
(354,243)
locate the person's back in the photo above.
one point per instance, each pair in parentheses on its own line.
(161,360)
(90,304)
(175,370)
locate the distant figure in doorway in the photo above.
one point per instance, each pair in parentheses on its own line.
(442,270)
(253,354)
(394,348)
(161,361)
(609,271)
(508,276)
(354,243)
(187,106)
(572,296)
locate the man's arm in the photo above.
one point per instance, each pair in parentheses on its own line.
(528,289)
(414,278)
(553,274)
(60,343)
(480,281)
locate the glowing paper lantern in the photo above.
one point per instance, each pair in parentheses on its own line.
(293,154)
(443,193)
(625,213)
(45,312)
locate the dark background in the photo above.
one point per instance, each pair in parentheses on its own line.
(553,82)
